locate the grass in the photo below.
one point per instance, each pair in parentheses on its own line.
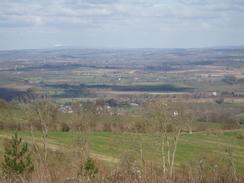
(191,148)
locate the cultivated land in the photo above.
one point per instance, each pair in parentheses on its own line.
(124,107)
(80,73)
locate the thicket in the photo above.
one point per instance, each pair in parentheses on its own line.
(100,116)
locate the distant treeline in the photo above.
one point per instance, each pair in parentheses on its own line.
(142,88)
(10,94)
(49,67)
(146,88)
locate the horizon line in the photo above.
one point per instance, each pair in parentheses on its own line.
(124,48)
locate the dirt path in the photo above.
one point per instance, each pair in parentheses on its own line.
(55,147)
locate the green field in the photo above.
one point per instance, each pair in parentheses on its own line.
(110,147)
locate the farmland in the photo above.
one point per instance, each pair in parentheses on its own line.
(81,73)
(174,112)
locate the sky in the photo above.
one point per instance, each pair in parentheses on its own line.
(31,24)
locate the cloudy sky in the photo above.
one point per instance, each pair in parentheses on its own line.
(121,23)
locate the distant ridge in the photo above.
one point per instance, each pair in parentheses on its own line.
(114,48)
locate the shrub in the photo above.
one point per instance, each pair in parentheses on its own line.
(216,132)
(170,128)
(241,118)
(107,127)
(65,127)
(231,125)
(17,159)
(200,128)
(1,125)
(88,168)
(240,136)
(219,100)
(129,165)
(139,127)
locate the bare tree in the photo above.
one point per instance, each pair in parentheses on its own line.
(41,115)
(83,119)
(169,118)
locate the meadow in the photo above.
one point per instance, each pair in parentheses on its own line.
(110,147)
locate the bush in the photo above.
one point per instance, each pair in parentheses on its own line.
(219,100)
(217,132)
(231,125)
(241,118)
(17,159)
(65,127)
(107,127)
(240,136)
(200,128)
(88,168)
(129,165)
(139,127)
(170,128)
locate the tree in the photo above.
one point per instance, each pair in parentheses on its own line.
(17,158)
(42,115)
(170,118)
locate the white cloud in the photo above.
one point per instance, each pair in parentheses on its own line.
(21,12)
(123,16)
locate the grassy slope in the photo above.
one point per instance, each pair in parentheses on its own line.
(190,149)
